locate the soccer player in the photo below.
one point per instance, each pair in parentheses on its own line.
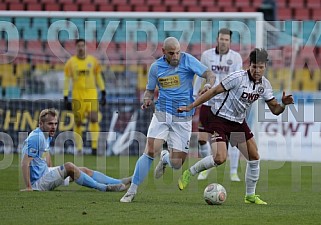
(173,73)
(222,61)
(36,163)
(84,71)
(227,121)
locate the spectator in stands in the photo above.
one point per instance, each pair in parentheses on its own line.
(173,73)
(84,71)
(227,123)
(37,169)
(222,61)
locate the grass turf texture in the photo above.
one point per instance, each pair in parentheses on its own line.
(293,198)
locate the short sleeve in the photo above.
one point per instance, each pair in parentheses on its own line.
(196,66)
(152,77)
(31,146)
(231,81)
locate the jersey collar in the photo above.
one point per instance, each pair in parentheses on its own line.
(217,53)
(251,78)
(254,81)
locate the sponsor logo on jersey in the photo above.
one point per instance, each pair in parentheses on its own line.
(169,82)
(83,72)
(249,97)
(220,68)
(229,62)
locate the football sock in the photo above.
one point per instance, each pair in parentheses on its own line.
(104,179)
(94,128)
(87,181)
(133,188)
(142,168)
(252,174)
(78,140)
(203,164)
(234,155)
(205,150)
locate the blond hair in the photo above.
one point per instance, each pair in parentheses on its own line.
(44,114)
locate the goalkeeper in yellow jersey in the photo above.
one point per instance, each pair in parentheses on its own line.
(83,72)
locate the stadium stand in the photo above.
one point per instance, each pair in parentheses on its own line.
(36,50)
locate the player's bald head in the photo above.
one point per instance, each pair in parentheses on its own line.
(171,43)
(172,50)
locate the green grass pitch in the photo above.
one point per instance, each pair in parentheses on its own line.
(292,190)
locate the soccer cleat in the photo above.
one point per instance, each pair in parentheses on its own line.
(204,174)
(160,168)
(234,177)
(116,187)
(184,180)
(254,199)
(128,197)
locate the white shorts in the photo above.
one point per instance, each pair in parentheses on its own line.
(50,180)
(175,130)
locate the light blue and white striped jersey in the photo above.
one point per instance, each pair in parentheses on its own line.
(175,83)
(36,146)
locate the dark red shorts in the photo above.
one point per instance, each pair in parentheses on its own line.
(204,115)
(224,130)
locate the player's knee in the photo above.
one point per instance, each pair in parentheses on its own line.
(69,167)
(219,160)
(86,170)
(176,165)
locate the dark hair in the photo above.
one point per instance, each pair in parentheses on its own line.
(80,40)
(225,31)
(258,55)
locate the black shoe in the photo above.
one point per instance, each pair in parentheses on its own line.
(93,151)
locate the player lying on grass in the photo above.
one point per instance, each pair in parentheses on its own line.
(37,169)
(227,121)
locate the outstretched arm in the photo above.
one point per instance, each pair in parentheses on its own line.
(203,98)
(277,108)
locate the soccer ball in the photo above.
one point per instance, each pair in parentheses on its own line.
(215,194)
